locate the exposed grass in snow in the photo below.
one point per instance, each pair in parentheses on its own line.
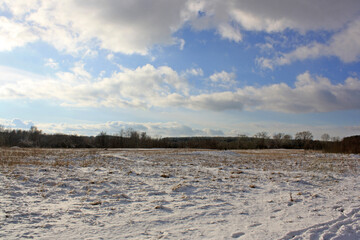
(178,194)
(11,157)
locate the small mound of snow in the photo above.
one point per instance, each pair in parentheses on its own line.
(347,226)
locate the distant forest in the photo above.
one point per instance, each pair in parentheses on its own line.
(132,139)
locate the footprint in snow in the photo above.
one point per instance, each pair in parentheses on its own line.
(255,225)
(344,227)
(237,235)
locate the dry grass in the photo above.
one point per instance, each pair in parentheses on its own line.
(266,160)
(18,156)
(12,157)
(169,160)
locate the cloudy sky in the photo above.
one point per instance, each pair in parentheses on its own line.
(182,67)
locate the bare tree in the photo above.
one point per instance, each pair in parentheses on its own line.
(121,133)
(242,136)
(304,136)
(335,139)
(278,136)
(325,137)
(263,135)
(2,135)
(278,139)
(288,137)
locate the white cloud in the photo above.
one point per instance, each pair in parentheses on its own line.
(80,72)
(219,101)
(265,62)
(181,44)
(309,95)
(163,129)
(345,45)
(136,26)
(14,34)
(126,27)
(230,32)
(223,79)
(16,124)
(19,8)
(147,86)
(274,15)
(175,129)
(110,56)
(90,54)
(142,87)
(265,47)
(195,72)
(51,63)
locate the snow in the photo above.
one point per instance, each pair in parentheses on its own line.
(179,194)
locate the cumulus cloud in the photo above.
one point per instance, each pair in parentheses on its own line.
(304,15)
(147,86)
(142,87)
(310,94)
(14,34)
(74,26)
(135,26)
(273,15)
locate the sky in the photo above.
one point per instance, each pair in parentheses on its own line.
(181,68)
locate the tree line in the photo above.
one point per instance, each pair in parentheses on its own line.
(130,138)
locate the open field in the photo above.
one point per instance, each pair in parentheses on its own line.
(178,194)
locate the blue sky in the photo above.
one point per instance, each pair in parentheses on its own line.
(181,68)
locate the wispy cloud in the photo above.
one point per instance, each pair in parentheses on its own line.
(194,72)
(223,79)
(345,45)
(181,44)
(51,63)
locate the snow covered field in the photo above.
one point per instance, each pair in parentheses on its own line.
(178,194)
